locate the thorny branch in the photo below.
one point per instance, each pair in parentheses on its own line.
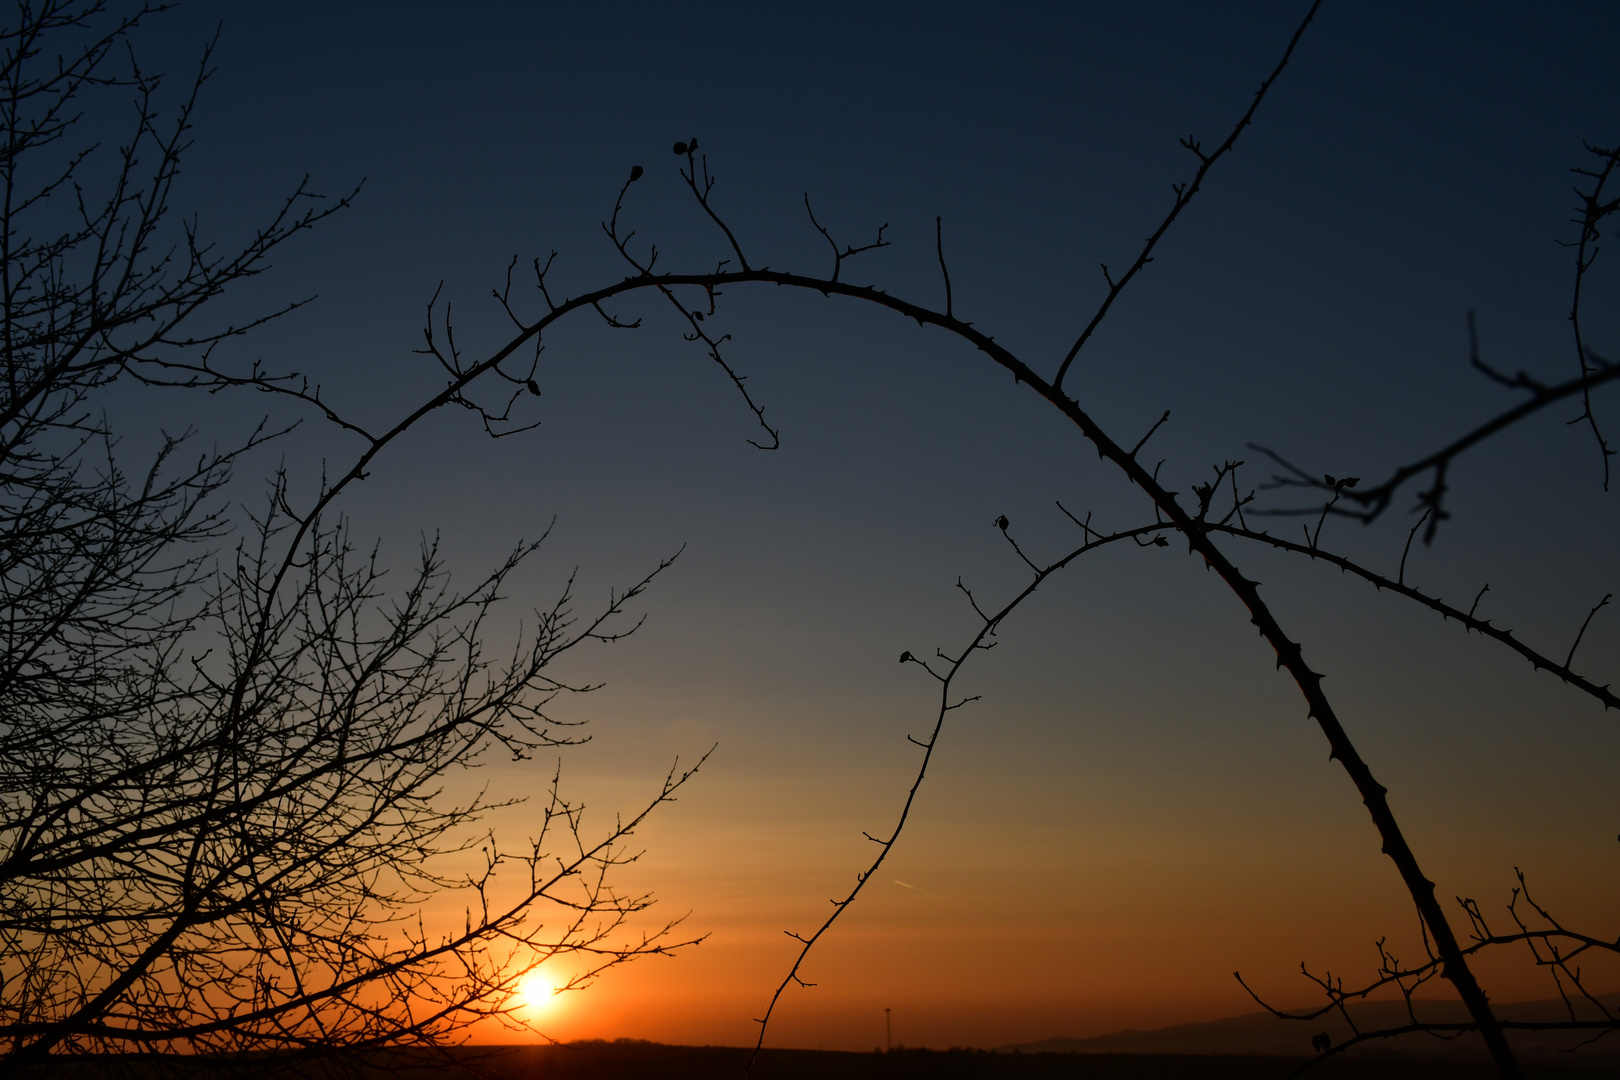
(1538,660)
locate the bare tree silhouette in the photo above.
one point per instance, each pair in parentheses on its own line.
(222,774)
(1550,945)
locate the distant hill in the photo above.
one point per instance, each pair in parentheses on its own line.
(1260,1033)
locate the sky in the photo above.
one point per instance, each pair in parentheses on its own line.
(1137,806)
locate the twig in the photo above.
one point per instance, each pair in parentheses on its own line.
(1601,604)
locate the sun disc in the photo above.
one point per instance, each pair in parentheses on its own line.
(537,991)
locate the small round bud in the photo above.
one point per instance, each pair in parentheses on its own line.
(534,387)
(1002,523)
(635,173)
(680,148)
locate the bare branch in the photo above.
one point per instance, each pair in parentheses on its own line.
(987,628)
(1184,194)
(1601,604)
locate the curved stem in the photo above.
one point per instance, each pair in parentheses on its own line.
(987,628)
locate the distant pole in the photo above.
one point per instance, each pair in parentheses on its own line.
(888,1033)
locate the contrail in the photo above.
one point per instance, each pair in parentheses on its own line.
(925,892)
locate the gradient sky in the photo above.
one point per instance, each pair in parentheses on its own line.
(1138,806)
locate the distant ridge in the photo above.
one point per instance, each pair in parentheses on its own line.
(1260,1033)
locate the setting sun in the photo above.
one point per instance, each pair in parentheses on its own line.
(537,991)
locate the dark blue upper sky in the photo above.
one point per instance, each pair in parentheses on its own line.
(1410,165)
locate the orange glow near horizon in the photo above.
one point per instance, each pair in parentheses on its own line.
(1129,907)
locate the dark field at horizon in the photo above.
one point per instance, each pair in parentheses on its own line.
(622,1061)
(636,1060)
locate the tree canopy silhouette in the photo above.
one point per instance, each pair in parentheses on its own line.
(225,746)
